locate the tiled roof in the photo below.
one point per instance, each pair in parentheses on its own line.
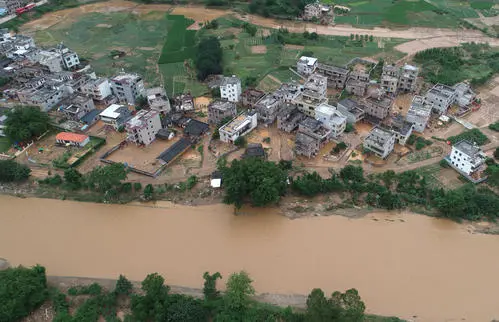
(73,137)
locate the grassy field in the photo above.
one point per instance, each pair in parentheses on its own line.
(96,35)
(435,13)
(4,144)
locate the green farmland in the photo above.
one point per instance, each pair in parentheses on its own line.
(414,13)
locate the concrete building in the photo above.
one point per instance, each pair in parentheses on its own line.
(408,77)
(239,126)
(314,93)
(336,76)
(288,119)
(44,97)
(467,157)
(306,65)
(219,110)
(356,87)
(332,119)
(115,115)
(77,106)
(143,127)
(287,92)
(267,108)
(99,89)
(183,103)
(230,89)
(127,87)
(311,137)
(402,129)
(12,5)
(312,11)
(74,139)
(378,108)
(464,94)
(441,97)
(158,100)
(352,110)
(380,141)
(419,113)
(250,96)
(390,78)
(50,59)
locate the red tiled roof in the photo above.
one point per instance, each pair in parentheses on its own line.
(73,137)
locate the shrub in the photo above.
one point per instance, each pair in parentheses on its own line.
(191,182)
(11,171)
(444,164)
(496,153)
(240,142)
(474,135)
(137,186)
(494,126)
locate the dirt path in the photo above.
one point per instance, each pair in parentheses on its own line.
(424,37)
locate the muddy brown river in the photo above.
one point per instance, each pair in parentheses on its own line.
(402,264)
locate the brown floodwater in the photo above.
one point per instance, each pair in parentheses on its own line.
(402,264)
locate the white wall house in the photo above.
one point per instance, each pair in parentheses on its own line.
(441,96)
(239,126)
(331,118)
(99,88)
(380,141)
(467,157)
(143,127)
(230,89)
(115,115)
(306,65)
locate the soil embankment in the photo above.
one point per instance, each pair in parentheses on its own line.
(394,260)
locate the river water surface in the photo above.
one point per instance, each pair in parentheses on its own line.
(402,264)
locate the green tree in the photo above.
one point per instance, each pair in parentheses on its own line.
(209,58)
(239,291)
(321,309)
(349,128)
(351,304)
(496,153)
(11,171)
(240,142)
(210,286)
(262,182)
(137,186)
(25,122)
(352,174)
(107,177)
(149,192)
(21,291)
(73,177)
(140,102)
(123,286)
(251,81)
(186,309)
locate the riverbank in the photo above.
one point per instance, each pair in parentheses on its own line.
(393,259)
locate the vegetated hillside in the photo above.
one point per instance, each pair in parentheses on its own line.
(474,62)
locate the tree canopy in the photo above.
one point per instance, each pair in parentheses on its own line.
(209,58)
(261,182)
(25,122)
(11,171)
(107,177)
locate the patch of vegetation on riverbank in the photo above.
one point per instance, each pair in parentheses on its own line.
(23,290)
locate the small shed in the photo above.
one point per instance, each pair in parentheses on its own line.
(216,179)
(165,134)
(73,139)
(254,150)
(196,128)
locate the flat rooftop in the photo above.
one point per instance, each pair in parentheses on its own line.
(467,148)
(379,135)
(331,68)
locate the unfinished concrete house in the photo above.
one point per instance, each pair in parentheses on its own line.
(419,113)
(183,102)
(219,110)
(352,110)
(331,118)
(314,93)
(77,106)
(267,108)
(401,128)
(288,119)
(380,141)
(357,83)
(158,100)
(306,65)
(250,96)
(441,96)
(408,77)
(464,94)
(311,137)
(287,92)
(390,78)
(378,108)
(336,76)
(312,11)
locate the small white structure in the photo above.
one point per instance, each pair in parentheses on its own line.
(115,115)
(331,118)
(239,126)
(216,179)
(380,141)
(74,139)
(467,157)
(230,89)
(306,65)
(143,127)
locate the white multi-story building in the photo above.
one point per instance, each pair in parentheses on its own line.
(115,115)
(331,118)
(98,89)
(306,65)
(441,96)
(143,127)
(419,113)
(380,142)
(230,89)
(239,126)
(158,100)
(467,157)
(127,87)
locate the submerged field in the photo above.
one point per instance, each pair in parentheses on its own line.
(162,47)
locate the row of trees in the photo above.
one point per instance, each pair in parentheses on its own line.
(23,290)
(262,183)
